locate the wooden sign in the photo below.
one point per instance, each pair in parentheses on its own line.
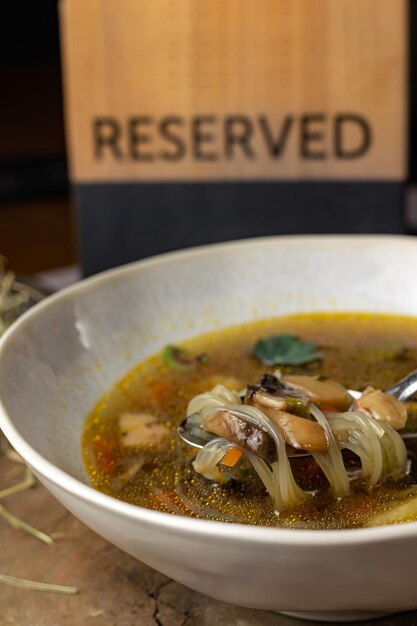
(218,90)
(189,121)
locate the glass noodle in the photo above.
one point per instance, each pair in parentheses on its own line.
(381,450)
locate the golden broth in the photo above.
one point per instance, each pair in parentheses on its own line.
(357,349)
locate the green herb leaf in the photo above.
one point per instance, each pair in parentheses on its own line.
(299,407)
(181,360)
(285,350)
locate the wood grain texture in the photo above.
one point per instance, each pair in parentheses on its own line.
(271,58)
(114,589)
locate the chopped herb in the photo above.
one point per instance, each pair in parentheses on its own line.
(181,360)
(299,407)
(285,350)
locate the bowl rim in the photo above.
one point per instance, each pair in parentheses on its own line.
(219,530)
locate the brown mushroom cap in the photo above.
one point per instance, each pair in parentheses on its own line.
(299,432)
(236,429)
(383,407)
(324,392)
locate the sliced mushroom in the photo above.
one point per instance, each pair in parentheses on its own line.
(256,395)
(299,432)
(141,429)
(383,407)
(324,392)
(225,424)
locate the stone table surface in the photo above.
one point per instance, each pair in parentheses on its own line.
(114,589)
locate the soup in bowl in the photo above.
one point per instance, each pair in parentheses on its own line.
(95,381)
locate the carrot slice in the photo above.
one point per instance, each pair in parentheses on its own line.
(232,456)
(105,455)
(160,393)
(328,408)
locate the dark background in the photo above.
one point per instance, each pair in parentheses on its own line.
(36,231)
(36,216)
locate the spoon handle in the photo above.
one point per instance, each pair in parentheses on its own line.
(405,387)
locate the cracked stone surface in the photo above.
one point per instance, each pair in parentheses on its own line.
(114,589)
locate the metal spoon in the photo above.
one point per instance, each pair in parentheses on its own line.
(405,387)
(191,434)
(402,390)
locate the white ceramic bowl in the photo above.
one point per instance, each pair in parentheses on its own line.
(61,356)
